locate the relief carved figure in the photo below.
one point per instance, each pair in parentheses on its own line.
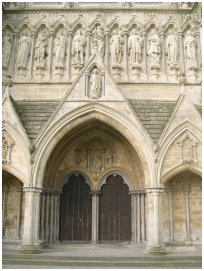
(154,49)
(190,50)
(7,45)
(188,150)
(172,49)
(135,44)
(40,47)
(23,50)
(59,50)
(116,50)
(98,40)
(95,82)
(78,44)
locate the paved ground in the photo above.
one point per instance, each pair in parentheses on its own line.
(100,256)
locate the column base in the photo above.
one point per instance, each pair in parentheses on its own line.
(30,249)
(156,250)
(95,243)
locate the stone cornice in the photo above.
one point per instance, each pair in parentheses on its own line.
(101,10)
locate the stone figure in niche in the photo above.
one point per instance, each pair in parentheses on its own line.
(78,44)
(7,45)
(96,162)
(190,50)
(59,50)
(172,49)
(98,40)
(135,43)
(95,81)
(40,49)
(23,50)
(116,50)
(154,49)
(187,150)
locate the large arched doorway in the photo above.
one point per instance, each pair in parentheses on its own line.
(75,210)
(12,207)
(114,211)
(182,209)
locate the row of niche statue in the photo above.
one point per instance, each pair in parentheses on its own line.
(135,48)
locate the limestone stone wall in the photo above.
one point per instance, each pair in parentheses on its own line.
(181,215)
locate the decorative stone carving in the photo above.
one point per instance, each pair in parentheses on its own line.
(59,52)
(95,84)
(187,146)
(116,49)
(98,41)
(172,50)
(40,51)
(154,53)
(95,155)
(190,50)
(135,44)
(7,144)
(7,45)
(23,52)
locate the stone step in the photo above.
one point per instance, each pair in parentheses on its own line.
(104,263)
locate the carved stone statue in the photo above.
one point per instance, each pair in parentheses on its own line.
(7,45)
(78,48)
(172,49)
(98,40)
(59,50)
(135,47)
(40,50)
(23,50)
(154,48)
(187,150)
(95,80)
(190,50)
(116,50)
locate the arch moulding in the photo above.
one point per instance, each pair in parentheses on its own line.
(92,112)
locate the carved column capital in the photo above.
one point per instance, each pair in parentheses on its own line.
(155,190)
(34,34)
(16,34)
(31,189)
(51,33)
(95,193)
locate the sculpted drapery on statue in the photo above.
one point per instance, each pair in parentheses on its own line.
(40,50)
(23,50)
(116,49)
(98,41)
(78,44)
(154,48)
(172,49)
(190,50)
(7,45)
(135,44)
(95,82)
(59,50)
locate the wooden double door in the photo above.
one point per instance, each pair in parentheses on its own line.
(76,211)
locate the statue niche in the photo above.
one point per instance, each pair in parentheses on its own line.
(6,48)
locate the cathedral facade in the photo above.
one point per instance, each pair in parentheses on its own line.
(101,124)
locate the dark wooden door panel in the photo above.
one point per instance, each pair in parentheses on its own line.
(115,211)
(75,210)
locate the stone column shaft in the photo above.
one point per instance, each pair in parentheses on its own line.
(145,55)
(95,216)
(69,57)
(43,216)
(32,48)
(143,217)
(52,210)
(106,48)
(133,217)
(186,200)
(154,221)
(57,217)
(50,55)
(19,210)
(181,53)
(4,210)
(163,60)
(171,216)
(126,55)
(88,33)
(138,219)
(47,224)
